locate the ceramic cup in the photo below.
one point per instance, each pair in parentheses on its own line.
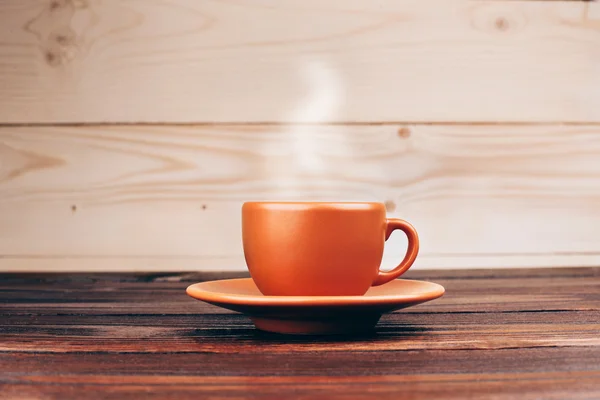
(320,249)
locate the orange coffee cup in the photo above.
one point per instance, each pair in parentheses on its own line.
(320,249)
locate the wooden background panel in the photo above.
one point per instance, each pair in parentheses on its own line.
(297,60)
(169,197)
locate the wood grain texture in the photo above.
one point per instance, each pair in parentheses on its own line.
(524,333)
(169,197)
(297,60)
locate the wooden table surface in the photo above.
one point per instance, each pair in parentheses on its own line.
(523,334)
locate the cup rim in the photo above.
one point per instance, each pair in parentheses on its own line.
(344,205)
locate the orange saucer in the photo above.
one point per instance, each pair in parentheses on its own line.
(314,314)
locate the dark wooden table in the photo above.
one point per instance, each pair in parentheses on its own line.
(523,334)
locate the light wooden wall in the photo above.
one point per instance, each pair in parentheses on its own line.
(132,131)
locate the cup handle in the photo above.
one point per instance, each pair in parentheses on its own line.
(411,252)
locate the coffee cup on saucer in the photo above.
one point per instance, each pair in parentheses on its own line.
(315,269)
(320,248)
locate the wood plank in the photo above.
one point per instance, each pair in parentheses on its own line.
(490,347)
(109,298)
(69,195)
(526,386)
(426,317)
(558,386)
(298,61)
(236,262)
(394,333)
(355,363)
(86,279)
(118,314)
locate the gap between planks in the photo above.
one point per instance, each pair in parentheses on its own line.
(276,124)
